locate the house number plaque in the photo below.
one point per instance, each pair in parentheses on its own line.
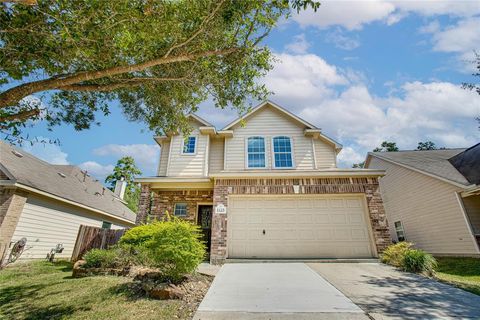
(220,209)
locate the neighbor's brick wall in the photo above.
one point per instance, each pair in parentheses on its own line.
(144,204)
(11,206)
(164,201)
(368,186)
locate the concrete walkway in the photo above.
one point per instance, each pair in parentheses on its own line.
(386,293)
(274,291)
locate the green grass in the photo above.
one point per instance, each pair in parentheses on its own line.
(41,290)
(460,272)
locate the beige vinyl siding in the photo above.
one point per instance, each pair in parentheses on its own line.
(45,223)
(427,207)
(269,123)
(162,166)
(188,165)
(325,154)
(216,155)
(472,208)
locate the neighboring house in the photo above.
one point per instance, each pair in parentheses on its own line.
(267,186)
(47,203)
(432,198)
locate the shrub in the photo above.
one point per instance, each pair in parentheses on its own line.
(395,253)
(99,258)
(416,260)
(172,245)
(139,235)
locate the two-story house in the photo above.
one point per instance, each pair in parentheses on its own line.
(267,186)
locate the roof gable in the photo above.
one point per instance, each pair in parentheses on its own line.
(65,182)
(434,163)
(199,120)
(276,107)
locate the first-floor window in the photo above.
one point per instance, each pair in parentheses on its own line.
(399,231)
(106,225)
(180,209)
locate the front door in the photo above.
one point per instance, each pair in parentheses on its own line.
(205,223)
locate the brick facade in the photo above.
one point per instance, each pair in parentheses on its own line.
(11,206)
(164,201)
(367,186)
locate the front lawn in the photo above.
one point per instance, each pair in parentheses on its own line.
(41,290)
(461,272)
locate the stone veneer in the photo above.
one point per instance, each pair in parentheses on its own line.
(266,186)
(11,206)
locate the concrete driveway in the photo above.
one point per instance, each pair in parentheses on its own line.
(386,293)
(331,291)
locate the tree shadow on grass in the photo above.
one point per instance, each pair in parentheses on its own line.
(130,290)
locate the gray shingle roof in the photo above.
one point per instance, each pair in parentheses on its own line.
(434,162)
(71,184)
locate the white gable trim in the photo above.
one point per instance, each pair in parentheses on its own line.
(276,106)
(201,120)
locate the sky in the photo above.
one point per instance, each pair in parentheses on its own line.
(362,71)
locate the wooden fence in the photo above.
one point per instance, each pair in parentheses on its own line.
(94,238)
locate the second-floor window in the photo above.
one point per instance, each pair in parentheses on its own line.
(256,152)
(282,152)
(189,145)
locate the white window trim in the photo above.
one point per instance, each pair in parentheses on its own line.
(264,147)
(195,148)
(292,152)
(402,229)
(175,209)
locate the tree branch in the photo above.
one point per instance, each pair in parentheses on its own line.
(20,116)
(196,33)
(125,83)
(13,95)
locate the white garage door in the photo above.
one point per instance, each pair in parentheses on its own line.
(298,227)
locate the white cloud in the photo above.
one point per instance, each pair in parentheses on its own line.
(299,45)
(353,15)
(341,41)
(349,14)
(348,156)
(49,152)
(299,79)
(97,170)
(462,38)
(439,111)
(145,155)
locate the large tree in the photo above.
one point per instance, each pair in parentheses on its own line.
(127,170)
(427,145)
(475,86)
(386,146)
(64,60)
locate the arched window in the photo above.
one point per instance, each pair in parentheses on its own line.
(256,152)
(282,152)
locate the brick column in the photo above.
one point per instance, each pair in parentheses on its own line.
(11,207)
(378,217)
(143,204)
(218,250)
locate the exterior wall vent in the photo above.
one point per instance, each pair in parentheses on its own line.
(18,154)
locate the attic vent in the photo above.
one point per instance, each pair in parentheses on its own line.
(18,154)
(61,175)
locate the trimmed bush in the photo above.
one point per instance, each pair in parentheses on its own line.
(395,253)
(139,235)
(173,245)
(419,261)
(99,258)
